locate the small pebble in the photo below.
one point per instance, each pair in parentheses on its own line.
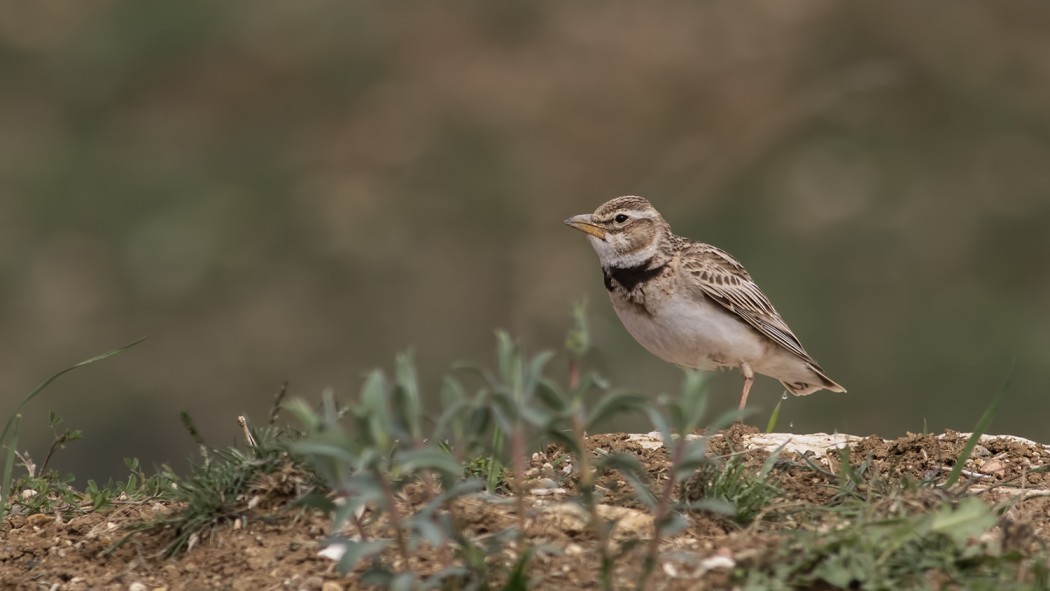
(993,466)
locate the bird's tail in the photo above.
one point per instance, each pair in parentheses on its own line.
(820,381)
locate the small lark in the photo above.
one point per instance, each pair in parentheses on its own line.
(693,304)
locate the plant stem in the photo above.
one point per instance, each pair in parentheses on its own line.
(395,515)
(518,461)
(660,514)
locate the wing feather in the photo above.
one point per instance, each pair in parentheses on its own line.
(723,279)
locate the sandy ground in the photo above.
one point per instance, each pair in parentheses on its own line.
(275,544)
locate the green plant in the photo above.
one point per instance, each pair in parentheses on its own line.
(12,428)
(683,415)
(746,494)
(911,549)
(388,451)
(568,422)
(774,416)
(877,532)
(476,443)
(223,486)
(136,488)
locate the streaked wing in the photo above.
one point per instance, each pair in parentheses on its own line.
(723,279)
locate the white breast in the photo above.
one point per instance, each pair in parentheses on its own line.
(694,334)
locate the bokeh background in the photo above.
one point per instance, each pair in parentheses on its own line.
(298,190)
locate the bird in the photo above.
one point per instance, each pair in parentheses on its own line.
(693,304)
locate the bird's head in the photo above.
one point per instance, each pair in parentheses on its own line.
(625,232)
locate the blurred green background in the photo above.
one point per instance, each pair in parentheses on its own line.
(298,190)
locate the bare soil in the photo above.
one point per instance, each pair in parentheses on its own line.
(275,543)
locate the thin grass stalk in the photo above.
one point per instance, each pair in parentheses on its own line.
(14,425)
(9,436)
(979,429)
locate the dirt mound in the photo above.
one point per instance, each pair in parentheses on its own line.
(276,545)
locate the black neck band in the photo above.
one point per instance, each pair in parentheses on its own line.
(629,277)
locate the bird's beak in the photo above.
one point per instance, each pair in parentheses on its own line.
(584,224)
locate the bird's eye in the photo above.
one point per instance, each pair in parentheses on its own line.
(621,218)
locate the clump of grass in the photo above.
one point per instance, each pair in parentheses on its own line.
(743,494)
(45,490)
(915,548)
(224,485)
(137,487)
(216,491)
(48,487)
(879,533)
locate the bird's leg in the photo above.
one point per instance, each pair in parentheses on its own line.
(749,377)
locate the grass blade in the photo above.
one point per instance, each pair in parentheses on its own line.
(9,436)
(772,424)
(47,382)
(15,425)
(979,429)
